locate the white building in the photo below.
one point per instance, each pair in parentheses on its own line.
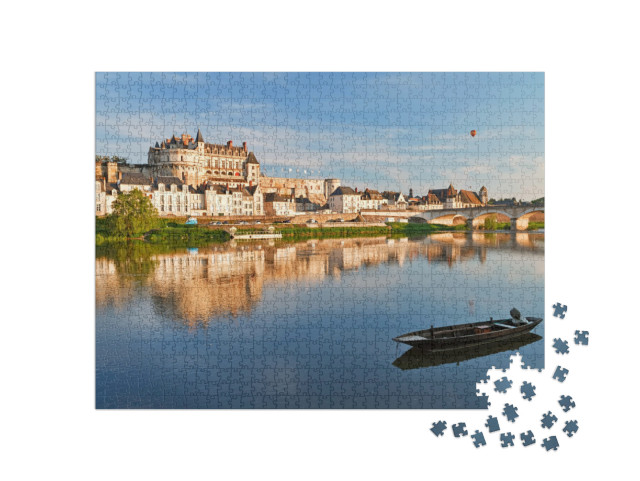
(276,204)
(345,200)
(372,199)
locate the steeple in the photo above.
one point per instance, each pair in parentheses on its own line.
(199,137)
(157,145)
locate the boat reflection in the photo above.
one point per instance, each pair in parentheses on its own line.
(416,357)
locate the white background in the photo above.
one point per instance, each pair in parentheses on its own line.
(50,53)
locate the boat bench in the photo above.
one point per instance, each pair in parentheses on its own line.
(504,325)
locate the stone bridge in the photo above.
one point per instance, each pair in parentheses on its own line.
(475,216)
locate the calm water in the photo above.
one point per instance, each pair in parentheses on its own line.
(309,324)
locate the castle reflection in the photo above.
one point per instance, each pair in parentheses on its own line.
(198,286)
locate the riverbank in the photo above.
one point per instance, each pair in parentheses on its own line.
(165,231)
(174,232)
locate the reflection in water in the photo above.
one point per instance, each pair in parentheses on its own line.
(201,285)
(304,325)
(415,357)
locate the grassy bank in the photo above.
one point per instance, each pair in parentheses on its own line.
(187,235)
(299,232)
(535,225)
(411,229)
(170,232)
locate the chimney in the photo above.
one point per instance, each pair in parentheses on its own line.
(244,146)
(356,190)
(230,144)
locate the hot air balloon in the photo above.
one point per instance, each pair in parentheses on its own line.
(473,133)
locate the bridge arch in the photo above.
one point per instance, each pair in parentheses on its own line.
(522,222)
(478,221)
(449,219)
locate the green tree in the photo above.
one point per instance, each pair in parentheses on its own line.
(491,223)
(133,214)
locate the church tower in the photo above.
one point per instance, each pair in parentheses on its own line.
(484,195)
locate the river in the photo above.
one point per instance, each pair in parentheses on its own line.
(309,324)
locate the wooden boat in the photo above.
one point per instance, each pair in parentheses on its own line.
(460,335)
(416,357)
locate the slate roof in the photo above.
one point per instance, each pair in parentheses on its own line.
(251,189)
(135,178)
(169,181)
(444,194)
(342,190)
(274,197)
(199,137)
(251,159)
(372,195)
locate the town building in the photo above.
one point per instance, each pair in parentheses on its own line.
(276,204)
(345,200)
(430,202)
(395,199)
(372,199)
(454,199)
(304,204)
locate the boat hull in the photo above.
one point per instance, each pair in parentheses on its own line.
(457,336)
(416,357)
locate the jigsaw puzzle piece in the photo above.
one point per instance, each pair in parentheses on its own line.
(559,310)
(492,424)
(507,439)
(561,347)
(478,439)
(582,337)
(459,430)
(570,427)
(439,428)
(548,420)
(560,374)
(566,402)
(510,411)
(550,443)
(528,390)
(502,385)
(527,438)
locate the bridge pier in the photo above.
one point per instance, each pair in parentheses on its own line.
(519,224)
(470,225)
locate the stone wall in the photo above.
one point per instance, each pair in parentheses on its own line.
(287,187)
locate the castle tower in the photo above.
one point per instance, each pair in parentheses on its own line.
(200,142)
(252,167)
(330,185)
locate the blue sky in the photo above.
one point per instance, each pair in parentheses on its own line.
(390,131)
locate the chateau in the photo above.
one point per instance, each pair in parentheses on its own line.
(184,176)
